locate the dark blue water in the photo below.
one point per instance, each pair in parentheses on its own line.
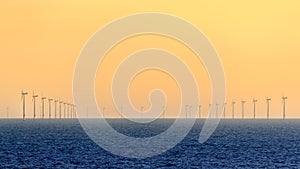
(235,144)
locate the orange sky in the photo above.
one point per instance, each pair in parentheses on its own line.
(258,43)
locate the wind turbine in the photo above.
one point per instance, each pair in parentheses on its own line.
(60,102)
(243,108)
(199,113)
(34,102)
(50,100)
(268,107)
(283,108)
(224,110)
(68,110)
(217,110)
(87,112)
(186,111)
(64,109)
(103,111)
(71,110)
(23,99)
(232,104)
(43,106)
(7,111)
(190,111)
(210,114)
(55,106)
(164,112)
(254,107)
(142,110)
(74,110)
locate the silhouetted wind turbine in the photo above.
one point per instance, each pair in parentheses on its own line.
(34,102)
(64,109)
(74,110)
(68,110)
(186,111)
(232,104)
(87,112)
(103,111)
(50,100)
(268,107)
(199,112)
(217,110)
(7,112)
(43,106)
(55,106)
(224,110)
(210,112)
(142,110)
(254,107)
(243,108)
(190,111)
(283,108)
(23,99)
(60,102)
(164,112)
(71,110)
(70,107)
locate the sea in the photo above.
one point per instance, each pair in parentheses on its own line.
(236,143)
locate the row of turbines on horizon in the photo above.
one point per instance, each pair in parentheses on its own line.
(69,110)
(219,113)
(188,108)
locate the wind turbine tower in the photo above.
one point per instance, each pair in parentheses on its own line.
(55,106)
(71,111)
(164,112)
(268,107)
(224,110)
(210,114)
(190,111)
(186,111)
(74,110)
(68,110)
(43,107)
(199,113)
(283,108)
(254,107)
(60,102)
(50,100)
(243,108)
(103,111)
(232,105)
(23,99)
(217,110)
(34,103)
(7,112)
(142,110)
(64,109)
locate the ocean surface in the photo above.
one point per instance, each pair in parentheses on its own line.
(235,144)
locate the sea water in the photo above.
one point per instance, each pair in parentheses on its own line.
(62,143)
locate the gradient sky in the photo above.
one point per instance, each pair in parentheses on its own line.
(258,43)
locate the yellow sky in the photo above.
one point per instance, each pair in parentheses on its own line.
(258,43)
